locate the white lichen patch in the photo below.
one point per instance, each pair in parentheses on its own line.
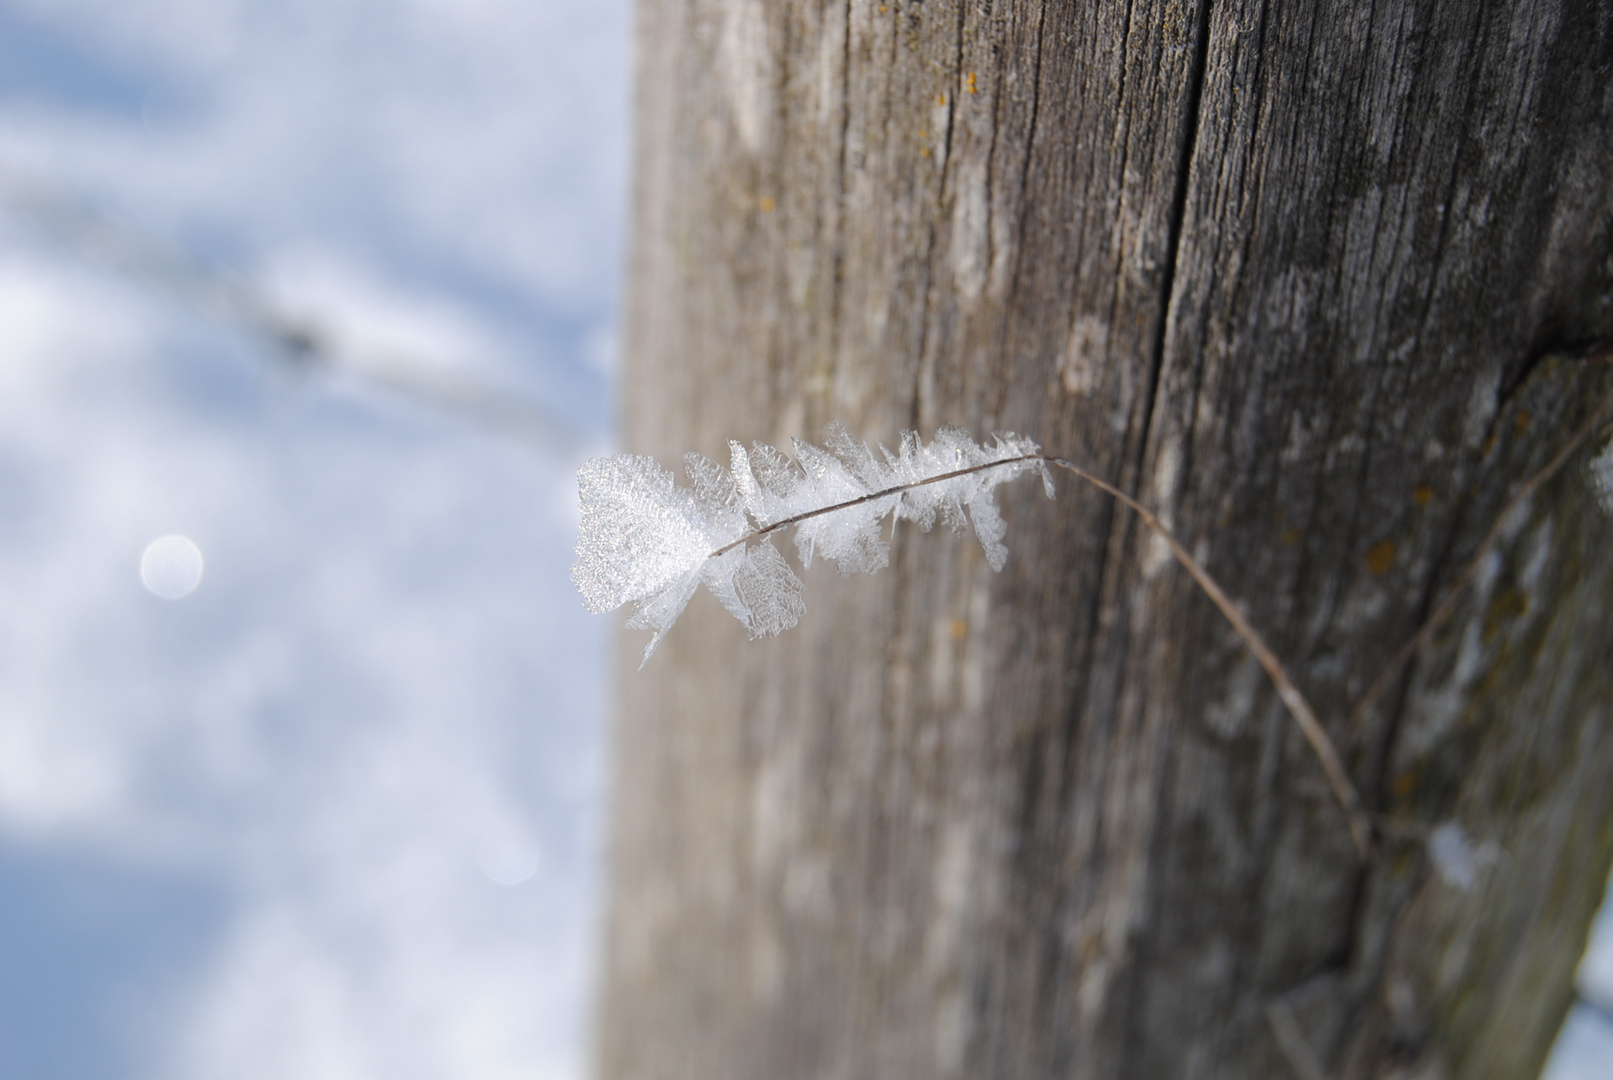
(746,64)
(1458,860)
(1081,366)
(1601,470)
(971,214)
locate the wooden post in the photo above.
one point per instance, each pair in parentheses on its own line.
(1312,280)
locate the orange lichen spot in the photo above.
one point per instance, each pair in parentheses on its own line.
(940,99)
(1291,537)
(1520,424)
(1405,783)
(1422,494)
(1509,604)
(957,628)
(1489,444)
(971,82)
(924,151)
(768,204)
(1381,557)
(1089,946)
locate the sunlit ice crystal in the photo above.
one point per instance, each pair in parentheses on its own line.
(648,542)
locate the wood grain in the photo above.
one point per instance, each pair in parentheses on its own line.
(1308,279)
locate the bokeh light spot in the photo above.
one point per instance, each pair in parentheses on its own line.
(171,566)
(508,863)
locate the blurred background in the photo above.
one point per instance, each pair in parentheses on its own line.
(327,290)
(306,319)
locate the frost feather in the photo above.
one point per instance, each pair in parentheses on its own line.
(648,542)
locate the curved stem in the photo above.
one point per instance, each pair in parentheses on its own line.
(875,496)
(1293,700)
(1299,707)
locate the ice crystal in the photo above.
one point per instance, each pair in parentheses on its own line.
(649,542)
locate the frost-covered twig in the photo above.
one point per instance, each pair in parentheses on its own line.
(648,542)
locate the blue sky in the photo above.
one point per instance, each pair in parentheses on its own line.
(336,812)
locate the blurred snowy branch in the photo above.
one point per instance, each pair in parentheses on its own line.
(298,343)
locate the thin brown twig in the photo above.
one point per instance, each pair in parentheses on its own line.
(1291,1040)
(874,496)
(1298,706)
(1447,604)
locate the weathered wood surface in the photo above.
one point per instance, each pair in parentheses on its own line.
(1297,274)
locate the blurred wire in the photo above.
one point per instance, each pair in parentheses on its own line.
(298,344)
